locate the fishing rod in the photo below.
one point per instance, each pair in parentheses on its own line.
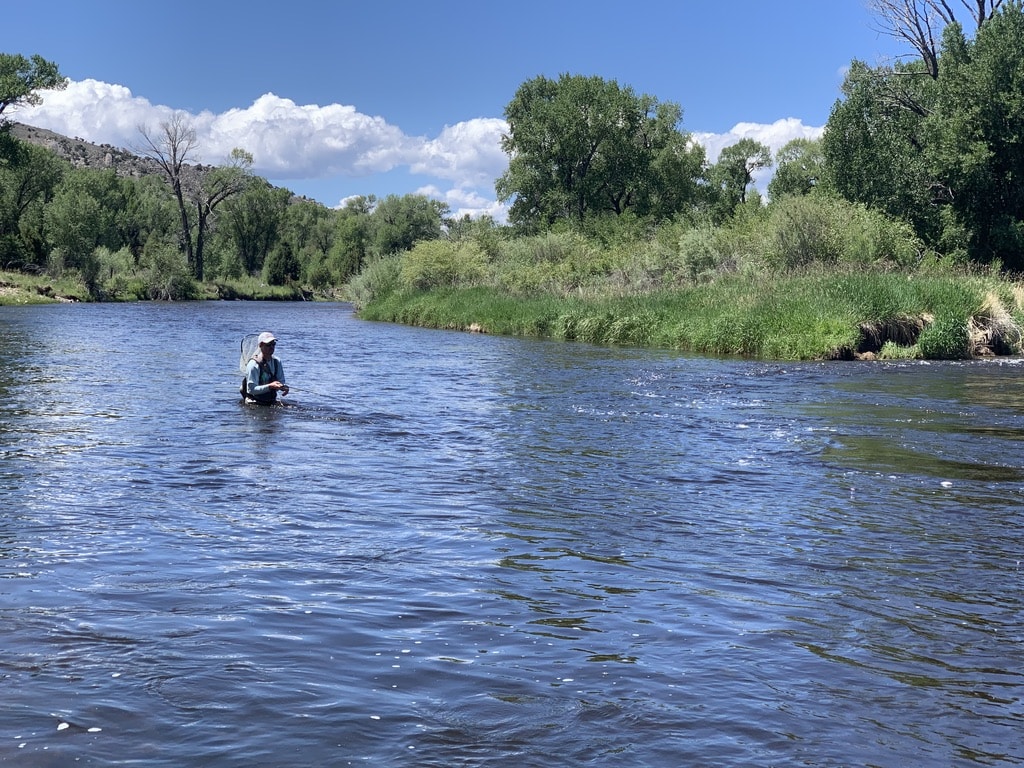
(307,390)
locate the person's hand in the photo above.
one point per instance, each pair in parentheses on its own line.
(279,385)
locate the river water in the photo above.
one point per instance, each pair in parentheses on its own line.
(460,550)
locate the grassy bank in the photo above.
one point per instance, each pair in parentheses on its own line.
(20,288)
(839,314)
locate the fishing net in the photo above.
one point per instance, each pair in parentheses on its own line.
(248,347)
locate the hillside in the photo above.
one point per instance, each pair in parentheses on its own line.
(83,154)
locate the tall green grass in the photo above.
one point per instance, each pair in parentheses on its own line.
(784,317)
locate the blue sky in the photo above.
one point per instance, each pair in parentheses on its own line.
(335,99)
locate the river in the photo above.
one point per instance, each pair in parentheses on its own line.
(452,549)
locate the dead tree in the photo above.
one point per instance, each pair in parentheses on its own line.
(920,23)
(171,149)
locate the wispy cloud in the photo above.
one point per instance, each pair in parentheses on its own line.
(294,142)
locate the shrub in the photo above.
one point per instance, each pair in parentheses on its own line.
(379,278)
(818,229)
(166,275)
(700,253)
(281,266)
(441,263)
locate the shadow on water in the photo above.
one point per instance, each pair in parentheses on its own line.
(881,454)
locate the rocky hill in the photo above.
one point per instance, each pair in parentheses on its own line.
(83,154)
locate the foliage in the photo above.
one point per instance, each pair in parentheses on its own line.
(282,266)
(827,230)
(938,143)
(441,263)
(381,277)
(84,215)
(702,252)
(21,78)
(872,145)
(214,188)
(350,246)
(976,134)
(581,146)
(166,275)
(733,174)
(557,262)
(28,177)
(399,222)
(116,276)
(799,169)
(249,228)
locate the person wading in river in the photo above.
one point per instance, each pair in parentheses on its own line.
(264,374)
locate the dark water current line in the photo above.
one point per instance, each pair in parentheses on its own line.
(451,549)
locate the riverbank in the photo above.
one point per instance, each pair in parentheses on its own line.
(816,315)
(20,288)
(824,315)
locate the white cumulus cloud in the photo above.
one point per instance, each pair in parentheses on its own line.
(290,141)
(773,135)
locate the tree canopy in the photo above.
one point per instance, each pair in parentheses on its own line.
(975,139)
(21,78)
(942,146)
(583,146)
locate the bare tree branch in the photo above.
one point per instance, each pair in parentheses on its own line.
(920,22)
(916,22)
(981,10)
(170,151)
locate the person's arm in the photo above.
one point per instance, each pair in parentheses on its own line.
(252,378)
(279,370)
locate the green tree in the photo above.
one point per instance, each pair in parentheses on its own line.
(799,167)
(282,266)
(734,173)
(399,222)
(83,216)
(28,177)
(21,78)
(976,134)
(148,214)
(309,228)
(351,242)
(250,226)
(580,146)
(874,142)
(212,189)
